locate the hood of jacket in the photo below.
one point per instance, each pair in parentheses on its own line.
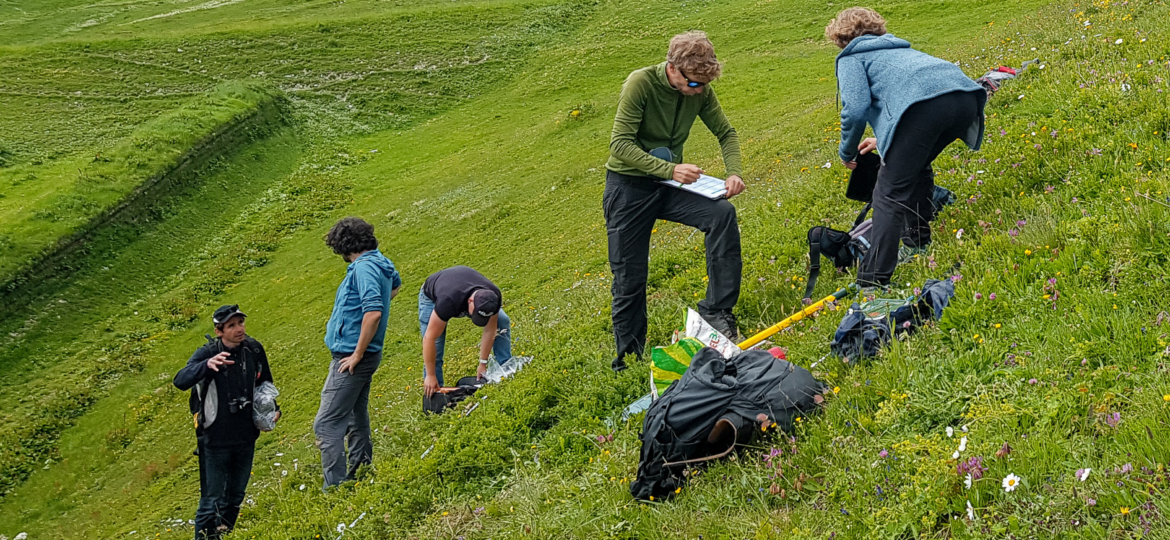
(379,261)
(869,43)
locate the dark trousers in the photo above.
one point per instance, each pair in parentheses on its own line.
(223,476)
(344,417)
(905,184)
(632,204)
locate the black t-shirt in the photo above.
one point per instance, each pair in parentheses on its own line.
(450,289)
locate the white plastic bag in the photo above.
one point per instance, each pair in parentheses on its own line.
(497,372)
(700,330)
(264,406)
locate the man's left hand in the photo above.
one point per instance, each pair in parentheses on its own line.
(850,164)
(348,363)
(480,371)
(734,185)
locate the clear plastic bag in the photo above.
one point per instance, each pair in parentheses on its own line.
(264,406)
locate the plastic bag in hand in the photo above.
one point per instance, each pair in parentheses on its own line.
(264,406)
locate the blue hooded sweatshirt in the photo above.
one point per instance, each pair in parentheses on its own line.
(879,77)
(366,287)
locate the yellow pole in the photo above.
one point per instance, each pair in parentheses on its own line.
(812,308)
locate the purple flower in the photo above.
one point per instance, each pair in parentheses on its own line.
(1036,146)
(1092,501)
(1049,189)
(883,453)
(1126,469)
(991,296)
(973,466)
(955,278)
(1074,200)
(1021,223)
(979,296)
(1013,232)
(1113,420)
(1052,281)
(1002,132)
(1032,381)
(1094,152)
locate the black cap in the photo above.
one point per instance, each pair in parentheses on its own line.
(487,303)
(226,312)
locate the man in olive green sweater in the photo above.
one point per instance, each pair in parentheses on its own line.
(656,110)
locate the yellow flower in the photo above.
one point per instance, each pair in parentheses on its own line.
(1166,398)
(837,390)
(997,325)
(1125,510)
(1028,252)
(677,491)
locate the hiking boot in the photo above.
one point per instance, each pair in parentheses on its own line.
(618,365)
(908,254)
(724,322)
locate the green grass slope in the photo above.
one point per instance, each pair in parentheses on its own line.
(1062,218)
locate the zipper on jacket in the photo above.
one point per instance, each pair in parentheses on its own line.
(677,109)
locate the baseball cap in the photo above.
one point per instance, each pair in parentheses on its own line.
(226,312)
(487,303)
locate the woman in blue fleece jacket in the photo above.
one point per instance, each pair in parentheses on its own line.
(917,105)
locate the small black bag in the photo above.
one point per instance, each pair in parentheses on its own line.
(443,400)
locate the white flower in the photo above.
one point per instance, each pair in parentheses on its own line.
(967,481)
(340,527)
(1083,474)
(302,488)
(963,444)
(21,536)
(1011,482)
(955,455)
(959,234)
(1119,41)
(827,165)
(950,431)
(970,510)
(964,428)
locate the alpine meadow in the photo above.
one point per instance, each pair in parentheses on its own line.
(160,158)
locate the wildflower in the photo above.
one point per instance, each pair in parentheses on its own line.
(1091,501)
(1004,451)
(950,431)
(1028,252)
(1126,469)
(1032,380)
(1113,419)
(963,444)
(883,453)
(1119,41)
(979,296)
(991,296)
(967,481)
(1013,232)
(972,467)
(1021,223)
(955,455)
(1083,474)
(970,511)
(1011,482)
(1166,398)
(959,234)
(1125,510)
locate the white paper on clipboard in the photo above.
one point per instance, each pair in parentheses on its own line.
(707,186)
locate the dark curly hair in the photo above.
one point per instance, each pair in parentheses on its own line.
(351,235)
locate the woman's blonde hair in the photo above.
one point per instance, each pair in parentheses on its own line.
(693,54)
(853,23)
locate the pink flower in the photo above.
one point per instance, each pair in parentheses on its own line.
(991,296)
(883,453)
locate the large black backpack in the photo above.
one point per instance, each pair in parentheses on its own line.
(717,404)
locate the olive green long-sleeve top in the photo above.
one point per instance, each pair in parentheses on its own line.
(651,113)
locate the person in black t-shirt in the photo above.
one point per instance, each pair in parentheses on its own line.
(222,376)
(455,292)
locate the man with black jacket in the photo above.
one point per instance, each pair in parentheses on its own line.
(223,375)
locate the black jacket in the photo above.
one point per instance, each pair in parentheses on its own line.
(237,380)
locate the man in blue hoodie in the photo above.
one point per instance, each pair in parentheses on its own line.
(917,105)
(354,336)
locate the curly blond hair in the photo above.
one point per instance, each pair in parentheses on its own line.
(693,54)
(853,23)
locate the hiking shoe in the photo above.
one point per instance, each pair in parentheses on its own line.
(618,365)
(912,254)
(724,322)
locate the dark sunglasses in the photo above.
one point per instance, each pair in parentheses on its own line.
(691,83)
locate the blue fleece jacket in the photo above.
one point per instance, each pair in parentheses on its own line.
(879,77)
(367,285)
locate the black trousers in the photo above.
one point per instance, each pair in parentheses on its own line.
(224,472)
(901,197)
(632,204)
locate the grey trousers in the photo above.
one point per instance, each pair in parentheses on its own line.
(344,417)
(632,204)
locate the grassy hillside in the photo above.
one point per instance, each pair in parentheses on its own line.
(1066,228)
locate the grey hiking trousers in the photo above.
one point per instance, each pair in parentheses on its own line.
(344,417)
(632,204)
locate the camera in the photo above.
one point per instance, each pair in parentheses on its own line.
(237,404)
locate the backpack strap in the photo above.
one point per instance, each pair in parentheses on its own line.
(861,217)
(815,236)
